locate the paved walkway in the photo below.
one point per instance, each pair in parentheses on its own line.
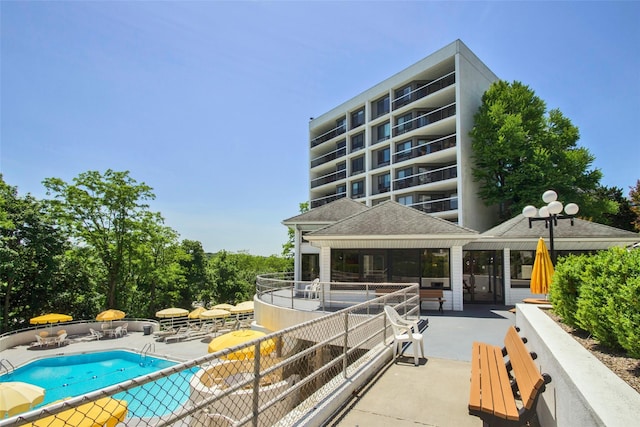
(436,392)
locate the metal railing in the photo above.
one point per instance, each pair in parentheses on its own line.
(278,379)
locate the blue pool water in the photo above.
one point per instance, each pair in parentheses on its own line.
(70,376)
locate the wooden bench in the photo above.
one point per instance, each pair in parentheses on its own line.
(432,295)
(505,392)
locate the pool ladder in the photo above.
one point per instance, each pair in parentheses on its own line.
(3,365)
(144,353)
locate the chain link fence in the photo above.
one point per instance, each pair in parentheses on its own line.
(274,380)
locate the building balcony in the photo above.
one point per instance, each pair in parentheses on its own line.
(425,119)
(336,154)
(327,199)
(425,90)
(424,178)
(326,179)
(328,135)
(424,149)
(433,206)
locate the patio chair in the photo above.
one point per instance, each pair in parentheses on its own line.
(95,334)
(312,289)
(403,333)
(40,341)
(393,313)
(61,338)
(124,329)
(118,332)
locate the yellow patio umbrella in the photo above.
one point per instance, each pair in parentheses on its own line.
(110,315)
(240,337)
(195,313)
(103,412)
(17,397)
(243,307)
(172,312)
(223,306)
(542,271)
(50,318)
(214,313)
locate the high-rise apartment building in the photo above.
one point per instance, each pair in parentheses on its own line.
(406,139)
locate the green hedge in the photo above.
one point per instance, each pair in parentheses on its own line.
(601,294)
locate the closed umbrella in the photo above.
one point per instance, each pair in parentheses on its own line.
(542,271)
(103,412)
(17,397)
(238,337)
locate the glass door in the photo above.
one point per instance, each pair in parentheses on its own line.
(482,277)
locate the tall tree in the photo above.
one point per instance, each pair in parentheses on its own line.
(634,201)
(520,151)
(31,252)
(107,213)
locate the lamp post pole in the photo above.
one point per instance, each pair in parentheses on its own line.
(550,214)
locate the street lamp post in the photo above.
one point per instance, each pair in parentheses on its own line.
(550,214)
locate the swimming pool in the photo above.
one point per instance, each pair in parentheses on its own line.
(75,375)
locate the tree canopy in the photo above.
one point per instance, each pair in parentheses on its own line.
(520,150)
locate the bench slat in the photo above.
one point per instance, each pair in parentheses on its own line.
(525,371)
(504,405)
(474,395)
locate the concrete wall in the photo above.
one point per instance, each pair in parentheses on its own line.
(583,391)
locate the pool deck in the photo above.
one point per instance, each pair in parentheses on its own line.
(435,393)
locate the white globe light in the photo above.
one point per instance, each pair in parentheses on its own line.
(549,196)
(544,212)
(555,207)
(529,211)
(571,209)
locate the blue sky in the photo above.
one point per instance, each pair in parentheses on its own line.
(209,102)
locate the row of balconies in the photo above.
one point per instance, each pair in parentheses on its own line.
(436,205)
(402,100)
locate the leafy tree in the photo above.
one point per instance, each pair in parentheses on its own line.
(634,196)
(624,217)
(106,213)
(230,285)
(31,252)
(289,247)
(520,151)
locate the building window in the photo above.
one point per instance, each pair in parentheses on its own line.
(381,106)
(384,183)
(357,142)
(435,268)
(357,165)
(341,189)
(341,125)
(357,118)
(404,124)
(357,189)
(405,200)
(403,97)
(382,157)
(310,266)
(383,132)
(403,151)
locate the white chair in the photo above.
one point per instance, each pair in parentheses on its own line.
(312,289)
(118,332)
(404,332)
(40,341)
(124,328)
(60,339)
(95,334)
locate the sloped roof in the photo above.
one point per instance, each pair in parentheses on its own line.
(391,221)
(583,235)
(329,213)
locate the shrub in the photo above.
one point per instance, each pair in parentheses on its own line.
(565,288)
(607,304)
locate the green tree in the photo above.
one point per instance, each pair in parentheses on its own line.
(106,213)
(624,218)
(520,151)
(32,249)
(289,247)
(634,202)
(230,285)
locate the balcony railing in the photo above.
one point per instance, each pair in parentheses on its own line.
(327,199)
(328,135)
(441,205)
(425,119)
(424,149)
(435,175)
(332,177)
(336,154)
(425,90)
